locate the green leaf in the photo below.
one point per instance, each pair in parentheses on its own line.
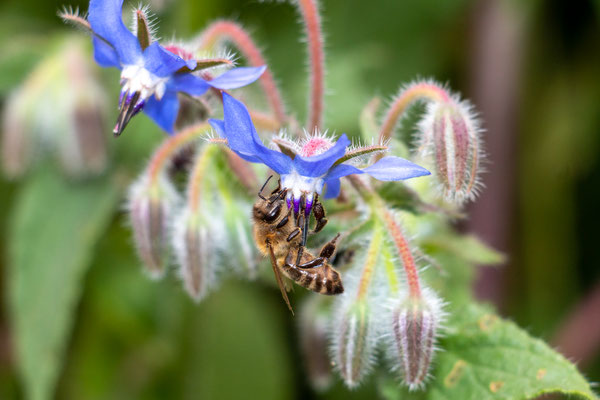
(468,248)
(51,241)
(486,357)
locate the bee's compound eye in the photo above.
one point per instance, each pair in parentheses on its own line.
(258,212)
(273,213)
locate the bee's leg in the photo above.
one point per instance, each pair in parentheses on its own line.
(284,220)
(329,248)
(294,233)
(319,213)
(277,195)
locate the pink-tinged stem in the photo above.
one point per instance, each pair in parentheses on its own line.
(408,261)
(197,177)
(170,146)
(233,32)
(312,25)
(412,93)
(402,245)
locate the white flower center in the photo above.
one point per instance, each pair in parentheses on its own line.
(299,185)
(136,78)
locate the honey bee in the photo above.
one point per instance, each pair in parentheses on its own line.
(278,235)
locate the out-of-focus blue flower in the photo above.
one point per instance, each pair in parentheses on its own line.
(303,176)
(151,76)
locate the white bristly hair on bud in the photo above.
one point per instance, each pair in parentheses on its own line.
(353,332)
(151,207)
(195,241)
(410,340)
(149,16)
(450,136)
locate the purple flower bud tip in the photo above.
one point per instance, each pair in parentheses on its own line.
(296,206)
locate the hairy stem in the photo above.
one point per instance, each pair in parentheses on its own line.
(369,267)
(233,32)
(196,180)
(312,24)
(408,260)
(171,145)
(412,93)
(402,245)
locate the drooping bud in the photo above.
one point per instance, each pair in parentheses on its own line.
(195,241)
(18,142)
(59,107)
(151,206)
(414,324)
(82,147)
(450,135)
(314,320)
(354,340)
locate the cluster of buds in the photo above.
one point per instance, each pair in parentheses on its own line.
(385,306)
(206,228)
(58,109)
(192,229)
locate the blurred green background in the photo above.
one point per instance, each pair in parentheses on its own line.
(532,70)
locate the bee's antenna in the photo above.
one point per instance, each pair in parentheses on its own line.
(263,188)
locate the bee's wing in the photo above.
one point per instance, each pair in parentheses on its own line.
(278,279)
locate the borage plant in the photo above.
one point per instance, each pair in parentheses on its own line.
(395,319)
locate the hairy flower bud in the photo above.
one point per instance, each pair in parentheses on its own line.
(59,108)
(151,205)
(414,323)
(354,339)
(195,242)
(81,147)
(18,142)
(451,137)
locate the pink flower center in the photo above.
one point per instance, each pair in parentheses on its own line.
(315,146)
(178,51)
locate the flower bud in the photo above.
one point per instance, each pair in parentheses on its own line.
(414,323)
(353,341)
(18,142)
(314,320)
(151,205)
(81,147)
(60,108)
(195,242)
(451,137)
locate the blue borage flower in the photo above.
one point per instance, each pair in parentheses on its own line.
(151,74)
(303,176)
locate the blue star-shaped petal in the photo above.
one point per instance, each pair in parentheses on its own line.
(303,176)
(151,76)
